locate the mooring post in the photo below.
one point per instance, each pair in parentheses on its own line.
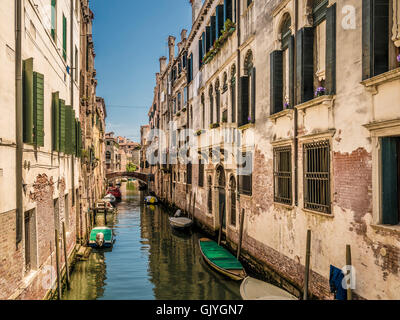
(307,266)
(194,205)
(220,223)
(65,254)
(58,265)
(241,217)
(349,273)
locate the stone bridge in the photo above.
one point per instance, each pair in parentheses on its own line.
(143,177)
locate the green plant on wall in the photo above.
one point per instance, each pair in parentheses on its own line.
(130,167)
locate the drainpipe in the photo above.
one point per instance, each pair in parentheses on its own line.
(18,120)
(295,118)
(72,68)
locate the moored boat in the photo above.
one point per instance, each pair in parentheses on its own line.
(181,223)
(253,289)
(101,237)
(151,200)
(221,259)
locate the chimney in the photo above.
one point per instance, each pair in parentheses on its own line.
(196,7)
(180,46)
(183,35)
(171,46)
(163,64)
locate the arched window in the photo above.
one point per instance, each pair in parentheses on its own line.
(209,202)
(218,100)
(286,37)
(233,93)
(211,97)
(232,187)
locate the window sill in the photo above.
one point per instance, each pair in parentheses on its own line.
(283,206)
(372,83)
(284,113)
(326,215)
(246,196)
(246,126)
(387,228)
(322,100)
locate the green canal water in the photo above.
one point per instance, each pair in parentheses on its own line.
(148,261)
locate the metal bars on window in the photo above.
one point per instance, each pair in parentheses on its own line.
(316,159)
(283,175)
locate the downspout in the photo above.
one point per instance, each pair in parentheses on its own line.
(295,118)
(73,67)
(18,121)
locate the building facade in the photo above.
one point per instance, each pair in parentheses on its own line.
(294,128)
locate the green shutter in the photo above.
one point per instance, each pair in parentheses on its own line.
(330,82)
(62,126)
(73,131)
(28,133)
(56,121)
(243,111)
(53,19)
(291,72)
(390,176)
(200,53)
(64,38)
(305,65)
(38,108)
(68,127)
(228,10)
(276,86)
(253,94)
(208,39)
(219,13)
(213,29)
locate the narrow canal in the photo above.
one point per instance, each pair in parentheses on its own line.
(148,261)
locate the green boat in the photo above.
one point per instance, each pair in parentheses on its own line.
(221,259)
(101,237)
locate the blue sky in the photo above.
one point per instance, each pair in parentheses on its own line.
(129,38)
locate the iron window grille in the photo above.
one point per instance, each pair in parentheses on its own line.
(283,175)
(317,176)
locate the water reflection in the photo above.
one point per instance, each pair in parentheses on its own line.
(148,261)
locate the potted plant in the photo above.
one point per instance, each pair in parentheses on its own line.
(398,59)
(214,125)
(320,91)
(199,132)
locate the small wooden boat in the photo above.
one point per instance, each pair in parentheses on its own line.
(110,198)
(101,237)
(151,200)
(253,289)
(221,259)
(180,223)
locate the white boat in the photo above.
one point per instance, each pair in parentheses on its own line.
(253,289)
(110,198)
(180,223)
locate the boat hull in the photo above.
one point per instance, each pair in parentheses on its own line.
(234,274)
(253,289)
(181,223)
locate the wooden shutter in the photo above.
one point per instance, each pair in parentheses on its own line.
(208,39)
(78,139)
(62,126)
(390,176)
(253,94)
(38,108)
(305,65)
(56,121)
(375,37)
(276,87)
(330,81)
(73,133)
(213,29)
(243,111)
(28,131)
(200,53)
(64,38)
(68,126)
(219,13)
(291,72)
(228,10)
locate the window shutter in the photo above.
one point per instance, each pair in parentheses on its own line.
(276,86)
(228,10)
(220,20)
(200,53)
(73,133)
(330,81)
(375,38)
(62,126)
(213,29)
(68,125)
(28,131)
(243,111)
(64,38)
(305,65)
(390,174)
(253,95)
(56,121)
(79,139)
(38,108)
(291,72)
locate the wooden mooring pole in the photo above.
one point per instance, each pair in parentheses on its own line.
(66,255)
(307,266)
(349,273)
(241,217)
(57,243)
(194,205)
(221,218)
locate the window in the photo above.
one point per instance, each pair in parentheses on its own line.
(33,105)
(201,173)
(189,173)
(390,172)
(316,162)
(209,198)
(203,112)
(232,185)
(76,64)
(248,92)
(233,93)
(379,52)
(64,38)
(54,20)
(283,175)
(245,173)
(319,18)
(179,101)
(218,100)
(30,240)
(211,97)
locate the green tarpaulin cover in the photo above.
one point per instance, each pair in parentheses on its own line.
(219,256)
(107,234)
